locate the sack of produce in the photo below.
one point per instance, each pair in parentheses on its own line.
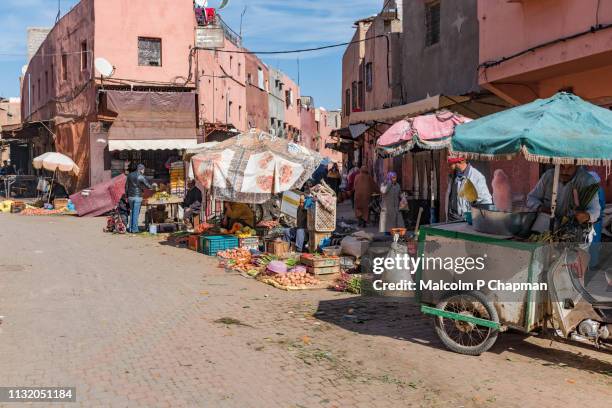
(277,267)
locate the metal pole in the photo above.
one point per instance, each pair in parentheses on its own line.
(51,187)
(553,200)
(241,16)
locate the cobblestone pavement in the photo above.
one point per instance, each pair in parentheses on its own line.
(130,321)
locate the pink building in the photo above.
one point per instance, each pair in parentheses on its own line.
(326,123)
(163,95)
(533,49)
(292,109)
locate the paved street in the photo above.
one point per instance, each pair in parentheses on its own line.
(130,321)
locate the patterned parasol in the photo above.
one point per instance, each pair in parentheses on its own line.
(432,131)
(253,166)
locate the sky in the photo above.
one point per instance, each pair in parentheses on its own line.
(268,25)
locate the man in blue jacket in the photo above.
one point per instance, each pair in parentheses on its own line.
(136,180)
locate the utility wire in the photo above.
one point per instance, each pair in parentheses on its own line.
(324,47)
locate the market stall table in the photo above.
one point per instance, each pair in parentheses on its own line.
(172,203)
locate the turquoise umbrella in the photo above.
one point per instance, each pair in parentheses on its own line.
(563,129)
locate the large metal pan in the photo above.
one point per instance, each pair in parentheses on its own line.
(485,218)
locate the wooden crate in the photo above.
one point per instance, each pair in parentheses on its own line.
(327,270)
(17,206)
(194,242)
(60,203)
(315,238)
(329,277)
(319,262)
(278,248)
(249,243)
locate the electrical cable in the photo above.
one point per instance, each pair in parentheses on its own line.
(324,47)
(594,29)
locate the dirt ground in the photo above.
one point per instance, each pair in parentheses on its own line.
(132,321)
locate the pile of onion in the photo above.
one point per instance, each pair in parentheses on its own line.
(299,278)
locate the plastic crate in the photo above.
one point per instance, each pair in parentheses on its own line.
(211,245)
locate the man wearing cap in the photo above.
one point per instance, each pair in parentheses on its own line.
(460,172)
(133,189)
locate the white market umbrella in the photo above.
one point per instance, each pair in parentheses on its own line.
(54,161)
(254,166)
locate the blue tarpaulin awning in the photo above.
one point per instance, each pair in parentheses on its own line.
(563,129)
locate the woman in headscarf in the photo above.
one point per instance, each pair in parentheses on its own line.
(364,188)
(389,213)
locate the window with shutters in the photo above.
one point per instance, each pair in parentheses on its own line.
(347,102)
(432,23)
(84,56)
(260,78)
(149,52)
(368,76)
(355,95)
(64,67)
(361,100)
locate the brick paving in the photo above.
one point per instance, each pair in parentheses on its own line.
(132,322)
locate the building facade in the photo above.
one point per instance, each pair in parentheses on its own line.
(534,49)
(163,95)
(276,101)
(258,113)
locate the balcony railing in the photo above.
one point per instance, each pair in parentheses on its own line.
(230,34)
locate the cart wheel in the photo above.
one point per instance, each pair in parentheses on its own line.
(465,337)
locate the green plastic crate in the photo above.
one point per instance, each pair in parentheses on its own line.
(211,245)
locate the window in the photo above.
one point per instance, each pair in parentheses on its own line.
(38,97)
(229,109)
(149,52)
(354,94)
(260,78)
(84,56)
(347,102)
(34,92)
(46,82)
(249,79)
(239,69)
(432,22)
(336,121)
(368,76)
(231,60)
(239,112)
(387,26)
(289,98)
(361,101)
(64,67)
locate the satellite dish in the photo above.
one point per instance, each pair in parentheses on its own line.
(104,67)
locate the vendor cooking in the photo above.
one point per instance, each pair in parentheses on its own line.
(238,213)
(571,178)
(460,172)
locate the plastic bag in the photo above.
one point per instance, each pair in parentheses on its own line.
(354,246)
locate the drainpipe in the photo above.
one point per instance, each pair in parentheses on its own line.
(227,107)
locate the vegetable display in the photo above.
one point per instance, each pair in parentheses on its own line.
(294,279)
